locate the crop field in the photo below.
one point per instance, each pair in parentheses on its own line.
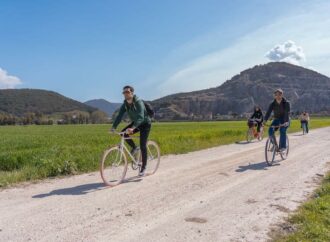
(29,153)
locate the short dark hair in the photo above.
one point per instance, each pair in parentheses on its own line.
(130,88)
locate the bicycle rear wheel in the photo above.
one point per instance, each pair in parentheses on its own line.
(270,150)
(153,157)
(113,166)
(285,154)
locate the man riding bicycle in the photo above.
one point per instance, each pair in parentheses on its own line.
(140,122)
(281,109)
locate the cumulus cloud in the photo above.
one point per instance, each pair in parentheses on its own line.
(7,81)
(288,52)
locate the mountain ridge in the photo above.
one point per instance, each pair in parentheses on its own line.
(103,105)
(306,90)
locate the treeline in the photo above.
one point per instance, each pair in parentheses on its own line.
(38,118)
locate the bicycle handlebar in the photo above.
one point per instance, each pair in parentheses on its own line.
(275,126)
(122,134)
(116,132)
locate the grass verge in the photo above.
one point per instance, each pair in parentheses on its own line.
(311,222)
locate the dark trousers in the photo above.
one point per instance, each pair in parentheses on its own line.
(259,126)
(144,130)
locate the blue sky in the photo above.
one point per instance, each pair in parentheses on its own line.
(89,49)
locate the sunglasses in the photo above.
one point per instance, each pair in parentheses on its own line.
(278,94)
(126,92)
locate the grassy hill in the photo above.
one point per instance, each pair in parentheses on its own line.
(20,101)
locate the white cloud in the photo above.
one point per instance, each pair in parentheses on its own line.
(212,69)
(288,52)
(7,81)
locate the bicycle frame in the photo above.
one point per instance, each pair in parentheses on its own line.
(123,147)
(253,130)
(275,142)
(252,121)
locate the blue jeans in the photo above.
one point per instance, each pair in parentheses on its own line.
(306,123)
(271,132)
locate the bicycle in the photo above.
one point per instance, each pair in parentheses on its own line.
(272,149)
(252,132)
(114,164)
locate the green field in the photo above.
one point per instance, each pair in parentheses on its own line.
(29,153)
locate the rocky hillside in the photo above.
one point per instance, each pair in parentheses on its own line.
(304,88)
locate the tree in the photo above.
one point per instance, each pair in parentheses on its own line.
(28,118)
(98,117)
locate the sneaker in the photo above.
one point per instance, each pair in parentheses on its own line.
(282,150)
(142,172)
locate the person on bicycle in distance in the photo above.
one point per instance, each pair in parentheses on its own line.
(304,118)
(140,122)
(281,109)
(258,117)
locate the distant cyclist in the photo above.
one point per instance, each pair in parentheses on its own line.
(281,109)
(140,122)
(304,119)
(258,117)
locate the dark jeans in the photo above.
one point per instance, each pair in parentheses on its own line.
(305,122)
(144,130)
(271,132)
(259,126)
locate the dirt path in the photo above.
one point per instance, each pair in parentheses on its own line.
(221,194)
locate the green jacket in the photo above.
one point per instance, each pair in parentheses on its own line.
(136,112)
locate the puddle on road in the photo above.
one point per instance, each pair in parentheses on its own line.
(196,220)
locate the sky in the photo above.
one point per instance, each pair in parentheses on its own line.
(87,49)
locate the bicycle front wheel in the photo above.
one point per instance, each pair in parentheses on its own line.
(270,150)
(261,134)
(113,166)
(285,154)
(153,157)
(249,135)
